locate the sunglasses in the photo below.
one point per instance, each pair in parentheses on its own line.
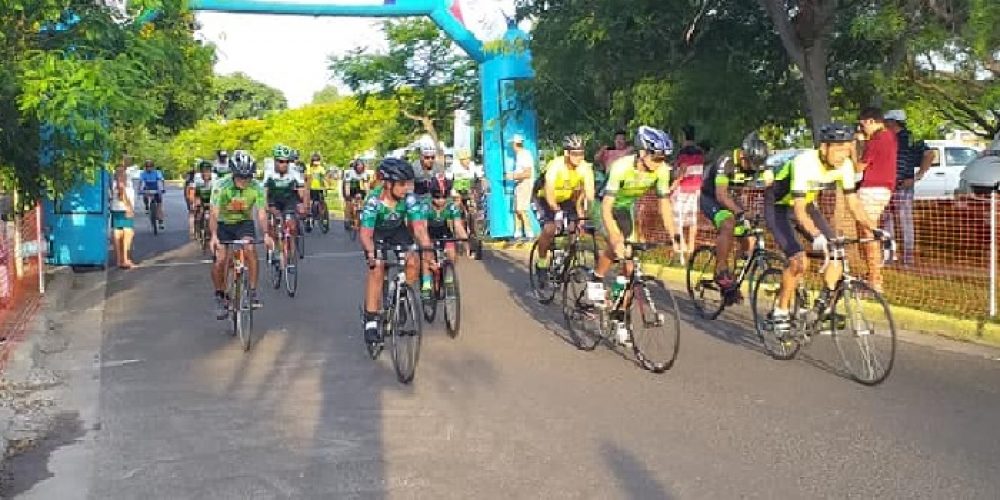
(428,157)
(440,196)
(281,161)
(578,154)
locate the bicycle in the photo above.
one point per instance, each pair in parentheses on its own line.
(318,212)
(705,293)
(353,224)
(446,289)
(592,316)
(843,315)
(239,302)
(475,224)
(282,263)
(561,260)
(201,232)
(399,316)
(152,209)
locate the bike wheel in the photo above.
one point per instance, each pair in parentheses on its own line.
(586,250)
(274,265)
(244,313)
(324,219)
(429,306)
(406,334)
(300,242)
(864,332)
(763,262)
(153,206)
(655,328)
(452,299)
(584,319)
(544,291)
(292,274)
(762,301)
(701,286)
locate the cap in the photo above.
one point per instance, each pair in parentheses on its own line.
(517,139)
(897,115)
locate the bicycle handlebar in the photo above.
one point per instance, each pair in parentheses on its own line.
(836,248)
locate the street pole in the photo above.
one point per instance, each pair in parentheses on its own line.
(40,254)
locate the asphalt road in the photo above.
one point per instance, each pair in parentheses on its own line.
(506,410)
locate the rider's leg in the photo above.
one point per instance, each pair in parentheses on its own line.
(159,208)
(219,270)
(724,244)
(545,243)
(251,260)
(797,266)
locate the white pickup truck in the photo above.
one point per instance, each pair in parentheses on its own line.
(941,181)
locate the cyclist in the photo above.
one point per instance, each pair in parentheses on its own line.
(316,177)
(426,170)
(396,217)
(560,194)
(790,200)
(444,220)
(221,166)
(725,212)
(201,190)
(232,218)
(153,187)
(465,177)
(284,188)
(629,178)
(356,183)
(189,178)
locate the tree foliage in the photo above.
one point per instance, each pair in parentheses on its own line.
(240,97)
(340,130)
(81,76)
(423,71)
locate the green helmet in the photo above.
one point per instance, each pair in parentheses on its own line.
(282,152)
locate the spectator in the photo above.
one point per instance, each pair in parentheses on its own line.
(523,175)
(605,157)
(912,162)
(878,168)
(122,214)
(687,188)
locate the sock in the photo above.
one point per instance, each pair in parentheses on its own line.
(220,294)
(425,282)
(542,263)
(780,312)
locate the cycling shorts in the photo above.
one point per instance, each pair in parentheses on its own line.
(284,204)
(624,218)
(439,232)
(316,194)
(238,231)
(781,220)
(546,214)
(395,236)
(156,196)
(356,191)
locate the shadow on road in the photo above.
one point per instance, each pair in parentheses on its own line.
(636,481)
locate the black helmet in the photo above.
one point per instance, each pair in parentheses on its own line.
(836,132)
(754,149)
(205,165)
(572,142)
(315,157)
(394,169)
(357,163)
(242,165)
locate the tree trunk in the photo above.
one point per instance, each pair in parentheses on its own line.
(817,87)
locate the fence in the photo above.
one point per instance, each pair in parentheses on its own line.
(21,275)
(950,266)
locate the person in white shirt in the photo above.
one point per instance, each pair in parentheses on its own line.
(122,213)
(523,175)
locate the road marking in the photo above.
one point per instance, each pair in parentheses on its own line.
(123,362)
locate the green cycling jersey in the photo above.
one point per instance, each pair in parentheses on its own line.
(236,205)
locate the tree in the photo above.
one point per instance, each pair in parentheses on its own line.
(79,74)
(423,72)
(240,97)
(326,94)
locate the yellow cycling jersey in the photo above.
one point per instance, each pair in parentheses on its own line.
(317,176)
(567,181)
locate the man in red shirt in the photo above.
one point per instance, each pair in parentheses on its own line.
(878,168)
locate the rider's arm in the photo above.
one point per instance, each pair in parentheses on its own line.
(161,183)
(663,192)
(213,221)
(550,187)
(799,206)
(367,219)
(722,195)
(607,215)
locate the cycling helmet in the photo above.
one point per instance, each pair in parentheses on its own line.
(357,163)
(428,150)
(654,140)
(463,154)
(394,169)
(148,162)
(242,165)
(295,155)
(205,165)
(282,152)
(315,157)
(572,142)
(754,149)
(222,153)
(836,132)
(439,186)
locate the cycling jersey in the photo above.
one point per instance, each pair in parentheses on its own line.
(202,188)
(236,205)
(718,173)
(378,215)
(354,180)
(423,180)
(439,217)
(627,184)
(806,175)
(566,181)
(283,188)
(221,169)
(317,176)
(463,177)
(151,180)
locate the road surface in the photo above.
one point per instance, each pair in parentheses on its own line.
(506,410)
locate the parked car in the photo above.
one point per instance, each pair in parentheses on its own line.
(781,156)
(941,181)
(982,174)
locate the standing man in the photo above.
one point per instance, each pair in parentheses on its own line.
(523,175)
(878,168)
(912,162)
(686,190)
(606,156)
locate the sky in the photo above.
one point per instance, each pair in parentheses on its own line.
(290,53)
